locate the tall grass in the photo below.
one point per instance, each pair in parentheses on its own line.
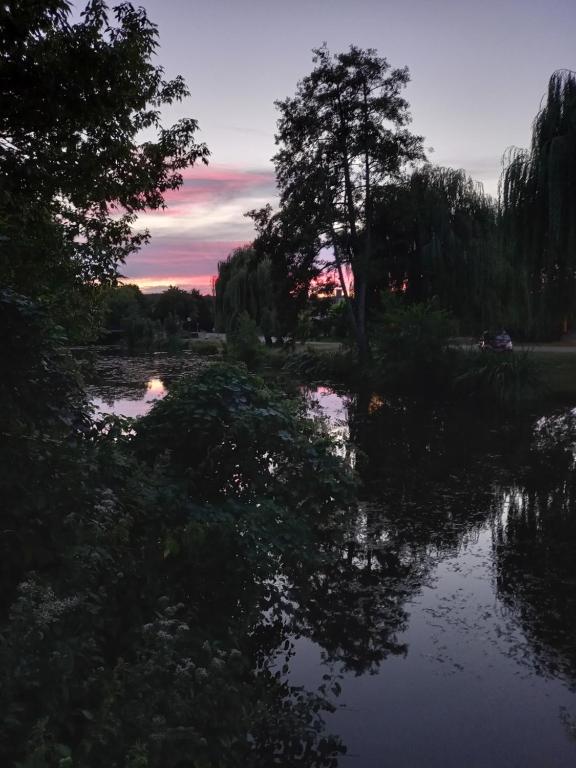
(506,381)
(319,365)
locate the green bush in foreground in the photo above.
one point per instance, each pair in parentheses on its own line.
(140,618)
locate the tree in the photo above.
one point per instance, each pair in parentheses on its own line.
(74,172)
(244,286)
(341,138)
(121,304)
(435,237)
(177,303)
(538,222)
(203,310)
(289,244)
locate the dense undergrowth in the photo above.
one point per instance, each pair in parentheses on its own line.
(141,621)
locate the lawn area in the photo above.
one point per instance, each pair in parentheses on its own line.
(558,369)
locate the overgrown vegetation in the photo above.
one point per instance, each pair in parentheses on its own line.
(141,322)
(123,539)
(499,380)
(411,347)
(311,365)
(242,341)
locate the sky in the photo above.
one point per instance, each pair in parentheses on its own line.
(479,69)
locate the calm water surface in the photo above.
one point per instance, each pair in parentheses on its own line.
(443,625)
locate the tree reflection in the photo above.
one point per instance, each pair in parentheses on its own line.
(430,479)
(424,488)
(535,545)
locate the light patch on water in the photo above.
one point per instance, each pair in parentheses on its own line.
(131,407)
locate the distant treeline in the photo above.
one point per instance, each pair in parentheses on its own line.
(125,312)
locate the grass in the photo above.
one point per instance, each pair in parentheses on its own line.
(558,371)
(205,347)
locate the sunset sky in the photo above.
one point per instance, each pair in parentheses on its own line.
(478,69)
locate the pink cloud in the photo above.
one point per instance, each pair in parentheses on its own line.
(203,223)
(178,261)
(217,185)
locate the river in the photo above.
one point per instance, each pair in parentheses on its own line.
(446,627)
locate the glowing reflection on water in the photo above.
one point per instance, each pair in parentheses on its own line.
(132,407)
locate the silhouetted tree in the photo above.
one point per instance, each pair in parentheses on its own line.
(290,244)
(120,304)
(538,200)
(204,310)
(341,138)
(177,303)
(435,236)
(73,170)
(244,285)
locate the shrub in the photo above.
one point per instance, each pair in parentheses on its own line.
(135,636)
(243,343)
(226,434)
(206,348)
(500,379)
(411,349)
(140,332)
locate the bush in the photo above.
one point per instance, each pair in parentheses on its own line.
(42,420)
(132,632)
(501,379)
(411,349)
(206,348)
(243,343)
(225,434)
(140,333)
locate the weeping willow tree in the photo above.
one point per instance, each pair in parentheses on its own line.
(538,214)
(244,285)
(436,236)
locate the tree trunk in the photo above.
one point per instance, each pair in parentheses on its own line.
(347,297)
(360,291)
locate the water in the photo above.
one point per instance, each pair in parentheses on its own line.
(475,663)
(465,693)
(444,624)
(129,385)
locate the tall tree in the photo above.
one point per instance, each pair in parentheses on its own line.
(74,172)
(290,245)
(244,286)
(538,201)
(435,237)
(341,138)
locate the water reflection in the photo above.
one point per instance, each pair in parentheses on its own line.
(325,403)
(535,548)
(446,609)
(137,404)
(129,385)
